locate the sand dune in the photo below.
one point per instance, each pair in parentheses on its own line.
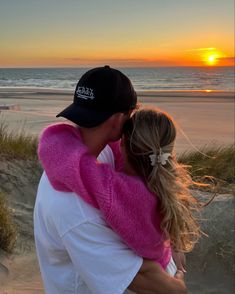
(210,266)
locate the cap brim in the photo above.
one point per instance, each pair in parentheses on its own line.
(84,117)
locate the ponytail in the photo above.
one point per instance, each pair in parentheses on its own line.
(149,143)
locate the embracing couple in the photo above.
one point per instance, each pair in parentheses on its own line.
(113,212)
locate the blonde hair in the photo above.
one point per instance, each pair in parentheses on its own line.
(151,131)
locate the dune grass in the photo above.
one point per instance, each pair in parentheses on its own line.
(17,144)
(20,146)
(8,230)
(215,164)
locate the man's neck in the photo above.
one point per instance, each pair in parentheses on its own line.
(129,170)
(94,140)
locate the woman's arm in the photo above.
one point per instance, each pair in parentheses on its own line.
(128,207)
(59,151)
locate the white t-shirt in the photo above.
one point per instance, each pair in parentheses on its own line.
(77,251)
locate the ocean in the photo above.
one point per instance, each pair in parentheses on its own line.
(143,79)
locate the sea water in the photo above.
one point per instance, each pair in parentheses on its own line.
(143,79)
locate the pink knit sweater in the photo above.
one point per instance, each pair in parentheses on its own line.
(128,207)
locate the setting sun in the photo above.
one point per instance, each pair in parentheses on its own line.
(212,59)
(212,56)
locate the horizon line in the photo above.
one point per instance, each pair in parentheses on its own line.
(91,66)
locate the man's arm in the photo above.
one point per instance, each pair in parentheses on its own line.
(104,262)
(107,265)
(180,260)
(152,279)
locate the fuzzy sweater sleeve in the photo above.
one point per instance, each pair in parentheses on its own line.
(126,204)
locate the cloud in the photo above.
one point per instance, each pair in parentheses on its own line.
(85,60)
(202,49)
(231,59)
(119,62)
(227,61)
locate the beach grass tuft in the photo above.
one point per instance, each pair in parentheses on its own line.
(209,164)
(8,230)
(212,164)
(17,144)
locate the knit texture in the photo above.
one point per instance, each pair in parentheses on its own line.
(128,207)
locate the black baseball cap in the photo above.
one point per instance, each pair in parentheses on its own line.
(100,93)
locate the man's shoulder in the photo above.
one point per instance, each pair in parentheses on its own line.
(65,209)
(107,156)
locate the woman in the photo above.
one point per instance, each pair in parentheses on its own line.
(148,204)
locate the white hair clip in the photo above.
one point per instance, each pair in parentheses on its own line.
(153,159)
(161,158)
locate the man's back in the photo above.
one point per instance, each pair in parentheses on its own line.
(77,251)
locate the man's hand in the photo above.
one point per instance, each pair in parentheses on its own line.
(180,260)
(152,279)
(179,275)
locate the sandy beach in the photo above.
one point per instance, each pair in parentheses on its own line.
(207,118)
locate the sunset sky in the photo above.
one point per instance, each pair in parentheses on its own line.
(38,33)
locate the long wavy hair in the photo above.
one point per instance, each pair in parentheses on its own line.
(153,132)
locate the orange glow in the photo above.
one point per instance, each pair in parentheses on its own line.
(212,59)
(208,56)
(212,56)
(142,57)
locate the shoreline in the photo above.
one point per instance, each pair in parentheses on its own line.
(33,93)
(148,92)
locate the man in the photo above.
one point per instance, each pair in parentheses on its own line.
(77,251)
